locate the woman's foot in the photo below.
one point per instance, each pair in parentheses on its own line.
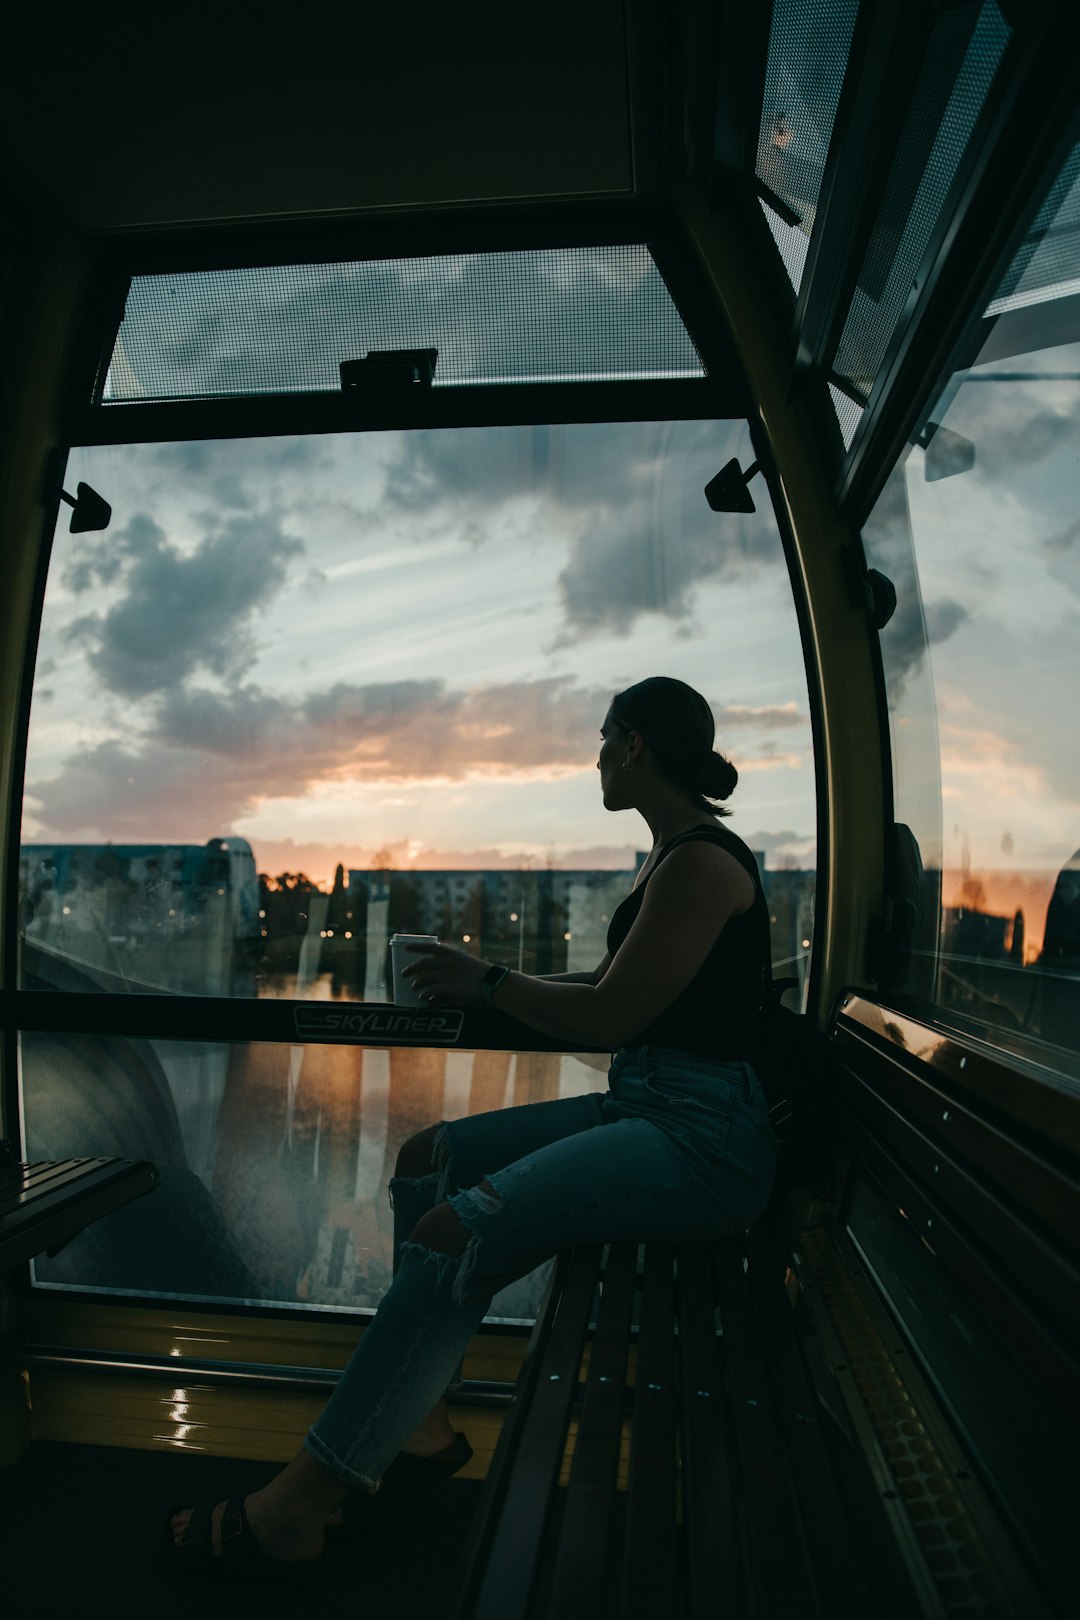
(430,1439)
(435,1434)
(409,1476)
(288,1539)
(280,1528)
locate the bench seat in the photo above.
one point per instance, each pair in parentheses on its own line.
(657,1375)
(44,1205)
(704,1429)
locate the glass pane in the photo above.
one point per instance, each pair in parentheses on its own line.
(303,693)
(978,531)
(966,47)
(554,315)
(274,1160)
(809,42)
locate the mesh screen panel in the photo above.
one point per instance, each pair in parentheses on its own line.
(809,42)
(791,241)
(848,414)
(569,314)
(1047,265)
(966,47)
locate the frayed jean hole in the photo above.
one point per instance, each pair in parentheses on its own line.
(443,1263)
(474,1202)
(466,1267)
(440,1159)
(397,1182)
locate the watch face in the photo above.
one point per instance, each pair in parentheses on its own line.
(494,974)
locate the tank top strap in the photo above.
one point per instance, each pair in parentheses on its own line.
(728,841)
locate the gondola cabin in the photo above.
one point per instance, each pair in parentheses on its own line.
(382,391)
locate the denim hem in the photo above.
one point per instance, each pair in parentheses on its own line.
(322,1454)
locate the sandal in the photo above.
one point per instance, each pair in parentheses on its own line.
(241,1558)
(406,1478)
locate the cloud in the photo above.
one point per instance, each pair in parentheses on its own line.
(1061,552)
(1001,421)
(766,716)
(181,611)
(1063,542)
(319,860)
(627,500)
(914,627)
(785,848)
(213,757)
(234,475)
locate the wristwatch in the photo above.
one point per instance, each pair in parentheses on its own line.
(491,981)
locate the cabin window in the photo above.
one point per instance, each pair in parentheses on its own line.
(977,529)
(576,314)
(306,692)
(808,56)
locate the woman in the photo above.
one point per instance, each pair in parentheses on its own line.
(679,1148)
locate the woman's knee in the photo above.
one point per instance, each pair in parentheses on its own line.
(441,1229)
(416,1157)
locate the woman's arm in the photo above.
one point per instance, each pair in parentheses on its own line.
(690,897)
(577,978)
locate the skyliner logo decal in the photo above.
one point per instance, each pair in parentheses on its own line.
(379,1026)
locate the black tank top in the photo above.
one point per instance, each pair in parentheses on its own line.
(717,1015)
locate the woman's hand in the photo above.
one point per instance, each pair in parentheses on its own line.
(446,973)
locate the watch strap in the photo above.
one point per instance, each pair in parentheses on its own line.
(491,980)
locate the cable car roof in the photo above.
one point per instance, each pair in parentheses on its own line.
(876,165)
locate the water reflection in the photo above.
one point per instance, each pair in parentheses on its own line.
(294,1150)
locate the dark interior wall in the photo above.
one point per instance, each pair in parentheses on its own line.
(47,278)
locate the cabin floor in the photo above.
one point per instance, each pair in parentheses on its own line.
(81,1525)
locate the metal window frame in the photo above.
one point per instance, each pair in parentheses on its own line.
(722,394)
(984,1184)
(1026,127)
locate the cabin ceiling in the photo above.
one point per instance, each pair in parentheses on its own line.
(130,118)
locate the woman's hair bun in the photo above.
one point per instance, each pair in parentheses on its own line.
(677,724)
(718,776)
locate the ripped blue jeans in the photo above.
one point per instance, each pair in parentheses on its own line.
(678,1149)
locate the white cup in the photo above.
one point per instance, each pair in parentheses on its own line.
(405,992)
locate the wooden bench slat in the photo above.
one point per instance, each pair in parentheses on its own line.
(580,1571)
(709,1514)
(23,1182)
(773,1533)
(56,1201)
(505,1584)
(841,1575)
(485,1525)
(53,1185)
(648,1584)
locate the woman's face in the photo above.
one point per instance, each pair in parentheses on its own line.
(609,764)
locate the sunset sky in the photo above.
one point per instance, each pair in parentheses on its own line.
(407,641)
(984,729)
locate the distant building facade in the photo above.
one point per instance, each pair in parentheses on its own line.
(179,917)
(539,921)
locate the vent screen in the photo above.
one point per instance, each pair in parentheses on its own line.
(809,41)
(1048,262)
(556,315)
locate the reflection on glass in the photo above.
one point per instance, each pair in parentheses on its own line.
(306,692)
(274,1160)
(982,660)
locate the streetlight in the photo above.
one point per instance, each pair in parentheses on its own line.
(520,920)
